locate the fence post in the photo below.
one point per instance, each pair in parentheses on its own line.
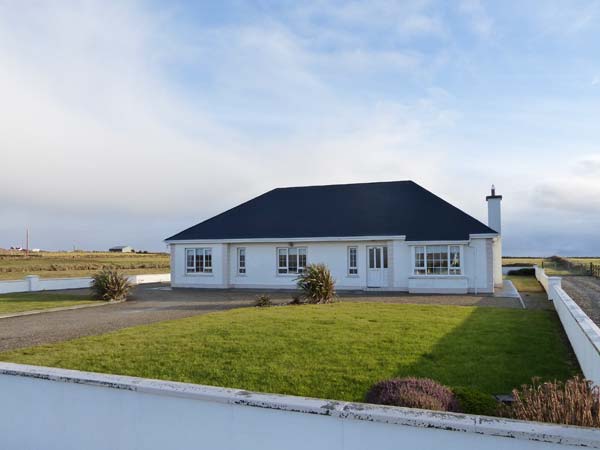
(33,283)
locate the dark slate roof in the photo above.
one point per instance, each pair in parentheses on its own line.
(363,209)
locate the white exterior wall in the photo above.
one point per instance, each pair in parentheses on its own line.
(582,332)
(33,283)
(57,409)
(261,266)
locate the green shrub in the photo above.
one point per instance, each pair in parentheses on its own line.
(525,272)
(472,401)
(296,300)
(317,284)
(263,300)
(574,402)
(110,284)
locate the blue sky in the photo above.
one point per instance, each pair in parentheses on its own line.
(123,122)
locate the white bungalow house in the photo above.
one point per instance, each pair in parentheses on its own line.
(391,236)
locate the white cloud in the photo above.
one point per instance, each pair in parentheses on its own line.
(480,21)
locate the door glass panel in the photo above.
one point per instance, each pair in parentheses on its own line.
(371,258)
(378,257)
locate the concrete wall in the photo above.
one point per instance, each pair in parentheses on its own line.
(57,409)
(261,266)
(583,333)
(33,283)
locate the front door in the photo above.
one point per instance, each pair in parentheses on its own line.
(376,266)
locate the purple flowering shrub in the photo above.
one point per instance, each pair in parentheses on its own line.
(412,392)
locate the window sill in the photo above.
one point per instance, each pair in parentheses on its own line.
(353,276)
(199,274)
(436,276)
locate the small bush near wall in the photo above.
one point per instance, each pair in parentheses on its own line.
(317,284)
(110,284)
(263,300)
(575,402)
(411,392)
(472,401)
(526,272)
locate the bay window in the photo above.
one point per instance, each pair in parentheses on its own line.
(198,260)
(291,260)
(437,260)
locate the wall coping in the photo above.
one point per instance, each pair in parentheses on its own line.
(491,426)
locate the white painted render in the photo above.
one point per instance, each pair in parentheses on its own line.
(582,332)
(261,265)
(58,409)
(33,283)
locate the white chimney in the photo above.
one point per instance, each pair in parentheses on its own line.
(494,211)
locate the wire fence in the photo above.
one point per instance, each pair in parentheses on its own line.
(562,265)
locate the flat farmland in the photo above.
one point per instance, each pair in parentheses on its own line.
(15,265)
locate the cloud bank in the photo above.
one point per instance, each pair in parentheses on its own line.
(124,123)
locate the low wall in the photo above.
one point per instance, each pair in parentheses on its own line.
(583,333)
(66,409)
(33,283)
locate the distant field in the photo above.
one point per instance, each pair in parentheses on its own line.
(526,261)
(15,265)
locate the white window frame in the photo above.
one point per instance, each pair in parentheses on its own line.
(283,270)
(195,252)
(352,271)
(241,268)
(459,269)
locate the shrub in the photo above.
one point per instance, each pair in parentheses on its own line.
(472,401)
(317,284)
(411,392)
(110,284)
(263,300)
(575,402)
(296,300)
(525,272)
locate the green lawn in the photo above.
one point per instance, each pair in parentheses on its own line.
(26,301)
(330,351)
(525,283)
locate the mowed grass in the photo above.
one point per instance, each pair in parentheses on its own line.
(26,301)
(525,283)
(15,265)
(330,351)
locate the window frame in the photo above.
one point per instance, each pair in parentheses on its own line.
(352,270)
(422,270)
(285,251)
(241,269)
(195,252)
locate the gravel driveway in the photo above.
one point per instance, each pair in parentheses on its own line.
(155,303)
(586,293)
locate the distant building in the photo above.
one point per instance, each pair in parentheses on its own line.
(121,249)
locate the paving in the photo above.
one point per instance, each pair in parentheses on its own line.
(155,302)
(586,293)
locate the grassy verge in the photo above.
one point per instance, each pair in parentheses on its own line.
(26,301)
(331,351)
(525,283)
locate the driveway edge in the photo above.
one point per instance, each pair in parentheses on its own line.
(64,308)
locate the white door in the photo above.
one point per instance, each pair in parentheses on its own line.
(376,266)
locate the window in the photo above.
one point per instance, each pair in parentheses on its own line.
(291,260)
(437,260)
(352,261)
(241,259)
(198,260)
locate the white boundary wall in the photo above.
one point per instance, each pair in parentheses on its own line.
(57,409)
(582,332)
(33,283)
